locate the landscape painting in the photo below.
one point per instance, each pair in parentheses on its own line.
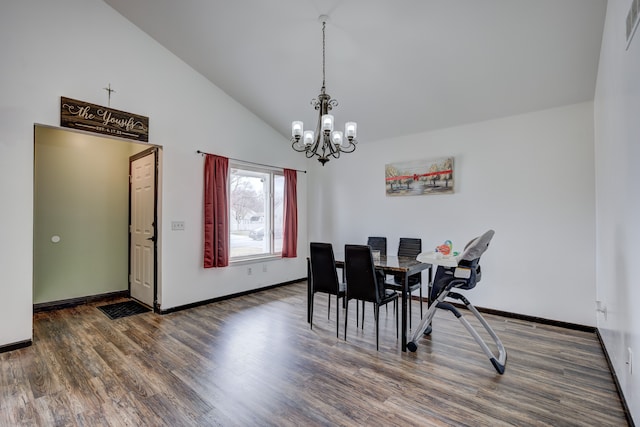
(419,177)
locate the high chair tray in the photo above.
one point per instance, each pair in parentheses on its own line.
(436,258)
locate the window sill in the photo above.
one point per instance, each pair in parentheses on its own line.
(255,260)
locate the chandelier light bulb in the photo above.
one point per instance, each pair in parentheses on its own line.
(296,129)
(308,137)
(336,137)
(327,123)
(350,129)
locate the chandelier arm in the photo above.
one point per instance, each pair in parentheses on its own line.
(349,148)
(334,149)
(314,148)
(325,144)
(295,144)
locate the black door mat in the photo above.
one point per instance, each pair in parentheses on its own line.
(123,309)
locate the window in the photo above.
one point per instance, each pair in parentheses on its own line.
(256,197)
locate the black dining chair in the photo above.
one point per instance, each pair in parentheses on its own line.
(363,284)
(408,247)
(378,244)
(324,278)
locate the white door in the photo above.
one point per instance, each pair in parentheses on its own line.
(142,253)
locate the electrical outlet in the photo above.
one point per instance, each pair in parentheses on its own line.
(177,225)
(264,268)
(249,271)
(630,360)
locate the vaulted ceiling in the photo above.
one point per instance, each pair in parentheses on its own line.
(396,67)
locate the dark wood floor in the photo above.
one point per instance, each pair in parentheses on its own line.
(254,361)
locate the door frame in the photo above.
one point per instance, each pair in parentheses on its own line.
(156,227)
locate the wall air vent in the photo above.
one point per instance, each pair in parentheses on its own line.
(632,20)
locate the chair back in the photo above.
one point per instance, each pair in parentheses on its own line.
(360,274)
(409,247)
(476,247)
(470,258)
(378,244)
(324,276)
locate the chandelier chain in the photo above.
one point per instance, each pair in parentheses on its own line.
(324,24)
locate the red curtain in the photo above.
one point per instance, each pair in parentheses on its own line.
(290,229)
(216,211)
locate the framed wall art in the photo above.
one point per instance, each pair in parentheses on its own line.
(419,177)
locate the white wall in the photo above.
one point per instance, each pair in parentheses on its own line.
(617,133)
(75,48)
(528,177)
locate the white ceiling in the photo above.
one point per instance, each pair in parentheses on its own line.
(396,67)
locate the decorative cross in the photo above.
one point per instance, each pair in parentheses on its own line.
(109,90)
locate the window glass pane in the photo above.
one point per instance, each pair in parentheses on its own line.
(256,197)
(249,213)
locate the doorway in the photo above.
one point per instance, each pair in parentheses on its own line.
(81,214)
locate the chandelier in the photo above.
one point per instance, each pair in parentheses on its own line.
(325,142)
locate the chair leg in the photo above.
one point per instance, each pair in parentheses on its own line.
(346,316)
(362,314)
(420,300)
(328,308)
(377,316)
(397,336)
(311,311)
(337,316)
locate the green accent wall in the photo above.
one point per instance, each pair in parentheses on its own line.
(81,195)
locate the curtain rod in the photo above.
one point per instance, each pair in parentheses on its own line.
(253,163)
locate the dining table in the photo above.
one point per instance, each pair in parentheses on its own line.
(389,264)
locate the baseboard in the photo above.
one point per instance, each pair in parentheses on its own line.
(15,346)
(567,325)
(625,407)
(72,302)
(226,297)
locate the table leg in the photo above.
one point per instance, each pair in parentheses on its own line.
(405,292)
(308,290)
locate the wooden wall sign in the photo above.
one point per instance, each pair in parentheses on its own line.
(95,118)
